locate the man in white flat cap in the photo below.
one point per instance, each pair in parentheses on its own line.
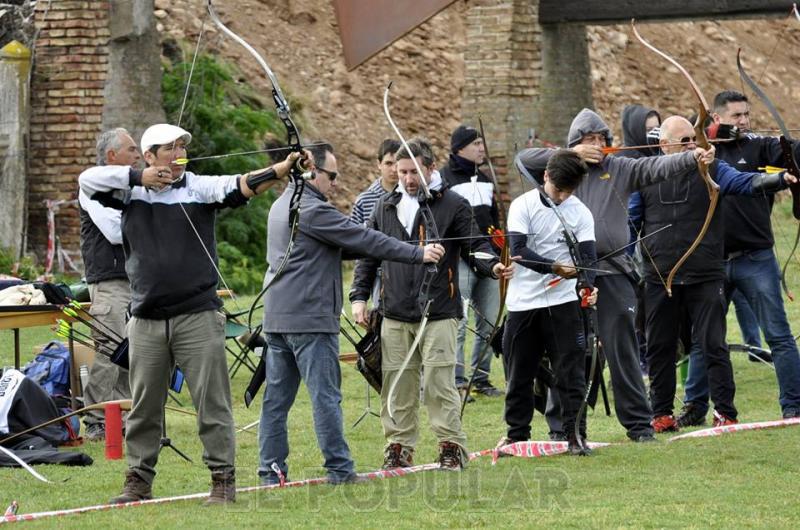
(168,220)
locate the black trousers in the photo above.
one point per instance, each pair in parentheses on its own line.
(558,332)
(705,305)
(616,314)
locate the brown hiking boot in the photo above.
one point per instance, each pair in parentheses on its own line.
(223,488)
(397,456)
(450,458)
(135,489)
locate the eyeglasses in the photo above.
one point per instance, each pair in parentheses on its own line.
(689,139)
(331,174)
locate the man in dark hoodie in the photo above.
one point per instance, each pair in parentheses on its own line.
(698,288)
(638,125)
(461,175)
(750,263)
(605,192)
(639,128)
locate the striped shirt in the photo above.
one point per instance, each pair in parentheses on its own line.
(365,203)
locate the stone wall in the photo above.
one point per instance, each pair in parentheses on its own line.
(97,65)
(503,68)
(70,70)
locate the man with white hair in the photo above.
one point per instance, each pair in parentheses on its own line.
(698,288)
(104,268)
(168,220)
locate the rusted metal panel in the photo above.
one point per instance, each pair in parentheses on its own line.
(368,26)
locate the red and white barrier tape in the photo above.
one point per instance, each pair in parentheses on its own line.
(736,427)
(534,449)
(529,449)
(373,475)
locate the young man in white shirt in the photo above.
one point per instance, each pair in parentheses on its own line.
(550,229)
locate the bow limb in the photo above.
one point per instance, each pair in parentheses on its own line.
(293,140)
(431,271)
(281,104)
(702,141)
(788,157)
(502,214)
(786,139)
(505,259)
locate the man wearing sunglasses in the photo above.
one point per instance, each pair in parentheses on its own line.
(301,315)
(751,267)
(698,288)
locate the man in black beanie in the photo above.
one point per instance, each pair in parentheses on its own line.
(461,175)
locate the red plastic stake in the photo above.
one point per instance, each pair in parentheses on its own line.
(113,431)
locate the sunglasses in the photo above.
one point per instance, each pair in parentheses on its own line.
(687,139)
(331,174)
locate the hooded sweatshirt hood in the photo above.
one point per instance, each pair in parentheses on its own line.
(634,118)
(587,121)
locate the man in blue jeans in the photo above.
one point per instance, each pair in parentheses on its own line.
(301,316)
(462,175)
(750,266)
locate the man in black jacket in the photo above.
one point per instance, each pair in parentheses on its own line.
(421,308)
(750,263)
(698,286)
(461,175)
(109,289)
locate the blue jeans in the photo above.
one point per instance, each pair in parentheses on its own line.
(757,276)
(314,358)
(485,297)
(747,319)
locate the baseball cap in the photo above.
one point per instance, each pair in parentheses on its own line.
(163,133)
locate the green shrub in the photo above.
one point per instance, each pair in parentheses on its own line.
(25,268)
(225,116)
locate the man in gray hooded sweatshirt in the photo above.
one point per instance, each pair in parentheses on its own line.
(605,192)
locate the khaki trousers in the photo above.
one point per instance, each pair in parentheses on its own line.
(437,354)
(107,381)
(196,343)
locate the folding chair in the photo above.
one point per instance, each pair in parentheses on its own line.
(239,343)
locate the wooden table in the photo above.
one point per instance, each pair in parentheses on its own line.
(18,317)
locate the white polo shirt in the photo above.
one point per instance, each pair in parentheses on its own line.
(529,215)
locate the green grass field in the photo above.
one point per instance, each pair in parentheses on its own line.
(738,480)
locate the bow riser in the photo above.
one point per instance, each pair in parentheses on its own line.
(702,141)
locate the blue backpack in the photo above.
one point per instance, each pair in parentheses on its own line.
(51,369)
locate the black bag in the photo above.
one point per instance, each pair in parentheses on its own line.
(369,357)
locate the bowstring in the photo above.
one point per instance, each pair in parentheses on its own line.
(638,232)
(233,296)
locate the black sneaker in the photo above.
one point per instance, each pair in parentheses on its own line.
(488,389)
(450,458)
(557,436)
(644,438)
(791,412)
(758,355)
(691,416)
(578,447)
